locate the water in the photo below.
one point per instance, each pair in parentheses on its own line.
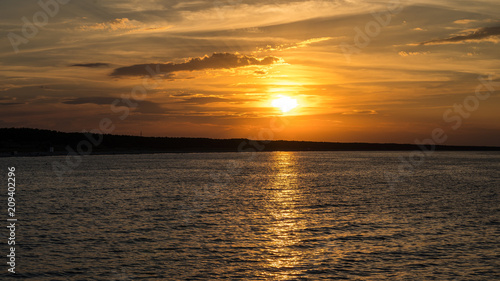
(278,216)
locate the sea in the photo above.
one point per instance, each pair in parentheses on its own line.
(255,216)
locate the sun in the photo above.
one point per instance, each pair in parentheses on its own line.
(285,103)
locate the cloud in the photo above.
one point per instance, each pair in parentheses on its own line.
(284,47)
(92,100)
(464,21)
(360,112)
(215,61)
(10,103)
(477,35)
(405,54)
(313,40)
(146,107)
(92,65)
(125,25)
(203,100)
(113,25)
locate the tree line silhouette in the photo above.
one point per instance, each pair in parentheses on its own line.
(46,142)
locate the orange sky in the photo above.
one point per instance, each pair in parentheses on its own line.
(360,71)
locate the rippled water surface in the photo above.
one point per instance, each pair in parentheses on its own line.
(277,216)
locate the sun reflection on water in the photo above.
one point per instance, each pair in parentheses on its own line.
(285,225)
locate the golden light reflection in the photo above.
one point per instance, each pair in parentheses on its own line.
(284,195)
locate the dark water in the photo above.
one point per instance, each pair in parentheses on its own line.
(279,216)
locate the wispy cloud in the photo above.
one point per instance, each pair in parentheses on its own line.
(10,103)
(480,34)
(360,112)
(215,61)
(91,65)
(91,100)
(464,21)
(302,44)
(113,25)
(203,100)
(406,54)
(146,107)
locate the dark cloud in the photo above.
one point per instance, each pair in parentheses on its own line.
(92,65)
(10,103)
(146,107)
(203,100)
(207,100)
(481,33)
(92,100)
(215,61)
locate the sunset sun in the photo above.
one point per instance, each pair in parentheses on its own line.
(285,104)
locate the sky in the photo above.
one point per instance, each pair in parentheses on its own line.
(357,71)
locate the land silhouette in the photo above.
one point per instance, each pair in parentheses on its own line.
(36,142)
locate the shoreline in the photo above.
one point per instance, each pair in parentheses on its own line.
(56,154)
(26,142)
